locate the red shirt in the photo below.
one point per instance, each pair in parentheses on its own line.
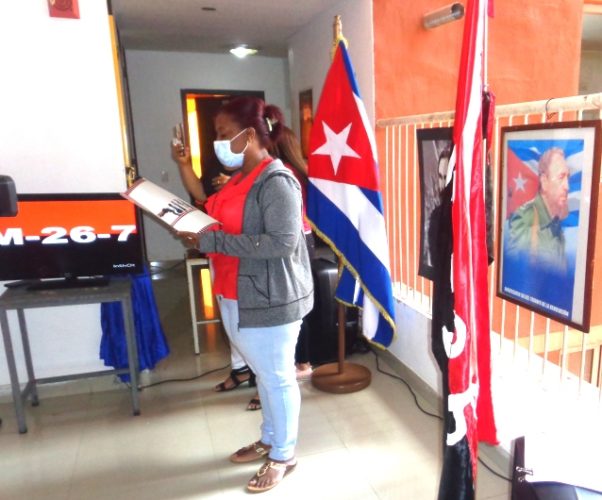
(227,206)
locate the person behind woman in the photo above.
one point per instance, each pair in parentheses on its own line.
(263,274)
(288,149)
(240,372)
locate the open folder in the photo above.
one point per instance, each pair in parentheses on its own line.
(176,213)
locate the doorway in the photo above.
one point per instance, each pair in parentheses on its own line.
(199,109)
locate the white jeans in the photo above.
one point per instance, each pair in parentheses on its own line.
(270,352)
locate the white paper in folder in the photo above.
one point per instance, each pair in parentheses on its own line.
(167,207)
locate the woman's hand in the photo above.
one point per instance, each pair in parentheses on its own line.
(181,155)
(219,181)
(189,240)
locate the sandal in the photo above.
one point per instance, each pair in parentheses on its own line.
(254,451)
(254,404)
(234,374)
(280,470)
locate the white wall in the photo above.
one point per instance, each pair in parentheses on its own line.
(156,79)
(309,54)
(60,132)
(412,345)
(60,124)
(590,77)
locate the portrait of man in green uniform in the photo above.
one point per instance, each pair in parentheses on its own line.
(548,175)
(534,230)
(539,236)
(540,230)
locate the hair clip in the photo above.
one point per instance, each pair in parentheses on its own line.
(270,123)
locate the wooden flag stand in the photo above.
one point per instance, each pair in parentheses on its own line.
(340,377)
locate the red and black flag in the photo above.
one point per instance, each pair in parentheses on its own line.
(461,333)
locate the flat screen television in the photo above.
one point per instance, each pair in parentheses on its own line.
(78,238)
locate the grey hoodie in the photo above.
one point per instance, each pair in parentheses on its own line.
(275,285)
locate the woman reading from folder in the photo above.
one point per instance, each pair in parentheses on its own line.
(262,274)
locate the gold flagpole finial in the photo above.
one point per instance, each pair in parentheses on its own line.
(337,35)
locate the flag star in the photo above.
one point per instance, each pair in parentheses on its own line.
(336,146)
(520,182)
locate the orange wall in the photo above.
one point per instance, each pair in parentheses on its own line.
(534,54)
(534,51)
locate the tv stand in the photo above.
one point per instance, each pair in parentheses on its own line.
(62,283)
(21,298)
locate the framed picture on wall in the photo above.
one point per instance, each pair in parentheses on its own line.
(547,212)
(434,151)
(306,117)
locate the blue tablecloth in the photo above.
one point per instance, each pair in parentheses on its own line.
(150,338)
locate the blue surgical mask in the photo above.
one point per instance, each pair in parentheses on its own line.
(223,151)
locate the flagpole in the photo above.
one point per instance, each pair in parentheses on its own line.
(340,377)
(337,35)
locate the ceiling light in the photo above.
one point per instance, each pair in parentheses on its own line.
(243,51)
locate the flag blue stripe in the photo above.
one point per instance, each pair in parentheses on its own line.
(349,68)
(523,152)
(572,220)
(575,181)
(374,276)
(528,150)
(346,288)
(374,197)
(383,333)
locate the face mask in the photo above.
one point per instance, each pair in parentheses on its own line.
(226,157)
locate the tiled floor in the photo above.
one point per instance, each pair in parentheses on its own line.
(83,443)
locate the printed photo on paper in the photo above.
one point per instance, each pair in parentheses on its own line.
(171,210)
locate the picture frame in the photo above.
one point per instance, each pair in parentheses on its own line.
(306,119)
(549,181)
(434,150)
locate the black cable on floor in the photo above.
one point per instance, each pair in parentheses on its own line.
(494,472)
(170,380)
(397,377)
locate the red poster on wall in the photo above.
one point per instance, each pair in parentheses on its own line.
(63,8)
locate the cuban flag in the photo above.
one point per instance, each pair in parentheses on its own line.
(344,205)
